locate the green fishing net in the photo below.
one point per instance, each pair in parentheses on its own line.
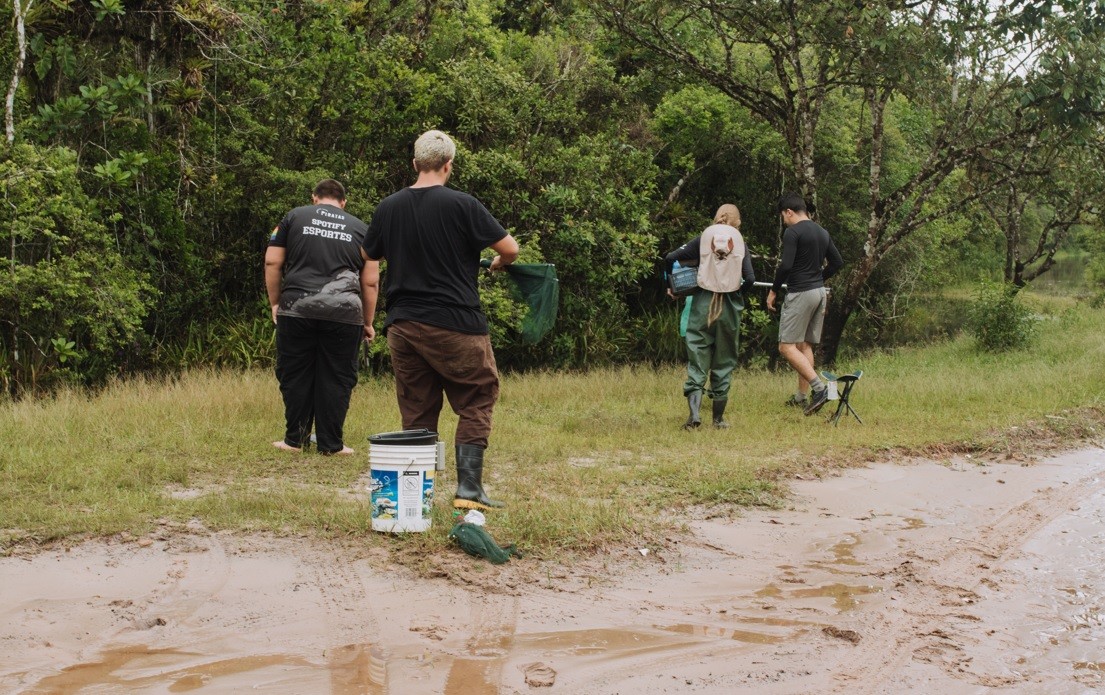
(477,542)
(536,286)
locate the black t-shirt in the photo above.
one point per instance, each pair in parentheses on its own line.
(322,266)
(802,267)
(432,238)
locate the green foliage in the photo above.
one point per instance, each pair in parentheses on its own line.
(228,338)
(193,127)
(108,8)
(64,349)
(999,320)
(65,276)
(714,152)
(1095,269)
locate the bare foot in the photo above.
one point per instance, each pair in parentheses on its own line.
(345,451)
(283,446)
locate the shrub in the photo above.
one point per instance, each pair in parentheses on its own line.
(69,304)
(999,320)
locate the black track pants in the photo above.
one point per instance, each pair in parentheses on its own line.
(316,364)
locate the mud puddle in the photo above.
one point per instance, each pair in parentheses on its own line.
(950,578)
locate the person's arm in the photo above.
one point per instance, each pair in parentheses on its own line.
(274,272)
(372,247)
(748,273)
(836,262)
(687,252)
(507,250)
(786,263)
(370,290)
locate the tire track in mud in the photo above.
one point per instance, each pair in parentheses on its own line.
(947,575)
(175,597)
(643,646)
(349,608)
(187,587)
(491,639)
(355,660)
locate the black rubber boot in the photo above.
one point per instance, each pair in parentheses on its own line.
(470,494)
(719,411)
(694,404)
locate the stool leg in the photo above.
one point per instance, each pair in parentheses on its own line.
(849,404)
(844,405)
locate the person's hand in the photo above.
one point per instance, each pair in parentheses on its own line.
(369,333)
(496,264)
(771,301)
(274,308)
(669,293)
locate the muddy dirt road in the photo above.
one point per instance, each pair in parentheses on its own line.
(960,577)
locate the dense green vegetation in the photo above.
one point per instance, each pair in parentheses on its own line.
(152,144)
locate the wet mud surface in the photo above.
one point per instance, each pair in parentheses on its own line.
(949,578)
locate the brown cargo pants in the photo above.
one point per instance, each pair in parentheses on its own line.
(427,361)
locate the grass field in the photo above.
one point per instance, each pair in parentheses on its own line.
(585,460)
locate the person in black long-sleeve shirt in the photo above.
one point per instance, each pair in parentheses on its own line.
(803,268)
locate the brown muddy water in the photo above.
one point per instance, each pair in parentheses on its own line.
(929,577)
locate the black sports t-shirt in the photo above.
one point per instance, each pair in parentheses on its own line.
(322,266)
(431,239)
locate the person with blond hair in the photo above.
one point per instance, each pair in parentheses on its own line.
(713,328)
(431,237)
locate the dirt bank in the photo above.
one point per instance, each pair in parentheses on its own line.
(925,577)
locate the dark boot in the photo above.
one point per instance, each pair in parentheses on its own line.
(719,411)
(470,494)
(694,403)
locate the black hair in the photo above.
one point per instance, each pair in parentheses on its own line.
(791,201)
(795,202)
(329,188)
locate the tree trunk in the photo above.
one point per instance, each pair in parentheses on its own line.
(836,318)
(843,302)
(17,69)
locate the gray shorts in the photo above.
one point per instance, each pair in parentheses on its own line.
(802,316)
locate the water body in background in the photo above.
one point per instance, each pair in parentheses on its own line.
(941,314)
(1067,276)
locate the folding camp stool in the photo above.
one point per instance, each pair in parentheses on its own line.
(842,406)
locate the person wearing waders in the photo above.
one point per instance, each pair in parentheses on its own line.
(713,328)
(431,237)
(322,294)
(808,259)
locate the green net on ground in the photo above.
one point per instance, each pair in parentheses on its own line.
(477,542)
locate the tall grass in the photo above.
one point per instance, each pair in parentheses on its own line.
(585,460)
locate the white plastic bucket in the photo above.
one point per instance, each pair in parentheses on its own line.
(402,486)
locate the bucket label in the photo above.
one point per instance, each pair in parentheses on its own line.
(428,494)
(402,494)
(385,494)
(410,495)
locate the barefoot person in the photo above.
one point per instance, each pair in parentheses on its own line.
(713,327)
(431,237)
(802,267)
(323,297)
